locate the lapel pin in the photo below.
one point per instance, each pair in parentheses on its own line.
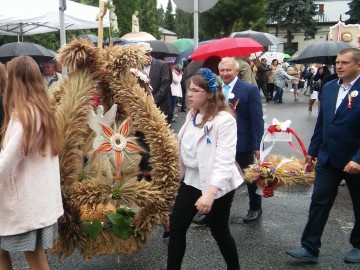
(352,95)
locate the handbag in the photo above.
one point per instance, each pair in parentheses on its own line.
(307,91)
(301,84)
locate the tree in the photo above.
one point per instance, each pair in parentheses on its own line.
(169,20)
(184,24)
(293,16)
(221,19)
(148,18)
(354,12)
(161,15)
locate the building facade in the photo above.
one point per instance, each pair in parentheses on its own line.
(329,13)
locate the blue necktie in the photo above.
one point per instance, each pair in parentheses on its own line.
(226,91)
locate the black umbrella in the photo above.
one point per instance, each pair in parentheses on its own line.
(323,52)
(37,52)
(264,39)
(161,49)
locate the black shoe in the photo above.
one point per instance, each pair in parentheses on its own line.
(183,110)
(252,215)
(200,220)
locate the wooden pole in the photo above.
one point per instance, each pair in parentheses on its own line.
(102,12)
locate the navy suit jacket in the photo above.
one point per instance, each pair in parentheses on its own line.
(249,116)
(336,136)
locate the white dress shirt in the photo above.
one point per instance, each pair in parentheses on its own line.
(189,155)
(343,91)
(231,85)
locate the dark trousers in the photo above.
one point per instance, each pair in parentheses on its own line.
(326,186)
(218,219)
(173,106)
(278,94)
(244,159)
(271,87)
(263,86)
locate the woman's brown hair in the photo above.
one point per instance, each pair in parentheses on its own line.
(216,104)
(26,99)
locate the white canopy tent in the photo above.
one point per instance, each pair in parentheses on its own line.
(26,17)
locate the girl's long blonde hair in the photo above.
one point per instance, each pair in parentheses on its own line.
(26,99)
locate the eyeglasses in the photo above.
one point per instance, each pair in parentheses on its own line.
(194,90)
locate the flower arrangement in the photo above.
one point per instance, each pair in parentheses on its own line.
(139,74)
(278,170)
(209,78)
(273,171)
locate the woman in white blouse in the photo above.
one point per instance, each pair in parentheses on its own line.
(208,174)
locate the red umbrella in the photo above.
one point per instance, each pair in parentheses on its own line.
(227,47)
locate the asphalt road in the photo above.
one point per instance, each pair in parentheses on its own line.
(262,244)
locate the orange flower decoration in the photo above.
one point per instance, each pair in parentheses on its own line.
(118,143)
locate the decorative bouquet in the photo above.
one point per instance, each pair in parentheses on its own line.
(272,171)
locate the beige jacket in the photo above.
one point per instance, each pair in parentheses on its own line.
(29,186)
(245,72)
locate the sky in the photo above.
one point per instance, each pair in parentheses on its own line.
(164,3)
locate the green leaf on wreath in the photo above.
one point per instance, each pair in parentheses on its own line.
(125,211)
(92,228)
(120,225)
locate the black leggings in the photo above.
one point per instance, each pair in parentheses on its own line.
(218,219)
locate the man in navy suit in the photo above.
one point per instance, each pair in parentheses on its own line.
(246,100)
(336,145)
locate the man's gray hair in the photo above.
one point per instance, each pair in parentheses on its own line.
(229,60)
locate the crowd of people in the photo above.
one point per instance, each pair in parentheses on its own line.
(202,190)
(221,136)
